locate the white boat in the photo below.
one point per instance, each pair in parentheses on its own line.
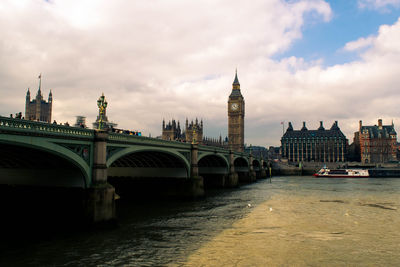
(342,173)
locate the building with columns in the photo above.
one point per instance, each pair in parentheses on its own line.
(319,145)
(376,144)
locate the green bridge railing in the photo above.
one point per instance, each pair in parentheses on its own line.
(11,124)
(21,125)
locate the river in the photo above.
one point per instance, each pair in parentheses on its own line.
(293,221)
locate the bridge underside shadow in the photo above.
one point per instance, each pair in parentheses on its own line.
(38,187)
(214,171)
(150,174)
(242,169)
(32,167)
(257,169)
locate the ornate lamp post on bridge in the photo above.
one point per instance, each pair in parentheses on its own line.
(102,104)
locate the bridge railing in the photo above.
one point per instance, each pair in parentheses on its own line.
(20,125)
(133,139)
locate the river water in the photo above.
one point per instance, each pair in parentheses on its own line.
(293,221)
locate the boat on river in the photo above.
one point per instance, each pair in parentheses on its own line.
(342,173)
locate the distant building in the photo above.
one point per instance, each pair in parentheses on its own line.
(257,151)
(80,122)
(274,152)
(218,142)
(172,131)
(194,130)
(314,145)
(376,144)
(38,109)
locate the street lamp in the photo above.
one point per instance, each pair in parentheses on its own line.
(102,104)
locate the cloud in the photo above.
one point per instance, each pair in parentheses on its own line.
(378,4)
(152,59)
(176,59)
(359,44)
(366,89)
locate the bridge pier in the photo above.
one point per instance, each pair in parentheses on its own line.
(194,187)
(252,173)
(263,172)
(232,180)
(100,196)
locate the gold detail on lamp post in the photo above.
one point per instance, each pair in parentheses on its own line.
(102,104)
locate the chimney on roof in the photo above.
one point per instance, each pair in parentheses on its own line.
(321,126)
(304,126)
(380,124)
(360,125)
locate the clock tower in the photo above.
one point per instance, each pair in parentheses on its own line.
(236,117)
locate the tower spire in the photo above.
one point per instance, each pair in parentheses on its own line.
(40,81)
(236,81)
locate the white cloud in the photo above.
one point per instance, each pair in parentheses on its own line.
(378,4)
(359,44)
(152,59)
(156,60)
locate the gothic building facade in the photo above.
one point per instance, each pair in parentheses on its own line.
(314,145)
(376,144)
(193,131)
(38,109)
(236,117)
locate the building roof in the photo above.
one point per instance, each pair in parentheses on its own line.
(376,132)
(334,131)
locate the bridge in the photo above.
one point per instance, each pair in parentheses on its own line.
(104,163)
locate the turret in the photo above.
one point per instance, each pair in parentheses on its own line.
(39,93)
(28,96)
(27,102)
(50,97)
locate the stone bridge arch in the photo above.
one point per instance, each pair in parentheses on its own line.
(242,168)
(138,172)
(214,168)
(241,164)
(171,154)
(44,162)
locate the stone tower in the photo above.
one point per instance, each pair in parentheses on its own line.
(236,117)
(38,109)
(194,131)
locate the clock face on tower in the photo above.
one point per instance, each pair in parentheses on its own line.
(235,106)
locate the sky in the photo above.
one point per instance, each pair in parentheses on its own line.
(297,60)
